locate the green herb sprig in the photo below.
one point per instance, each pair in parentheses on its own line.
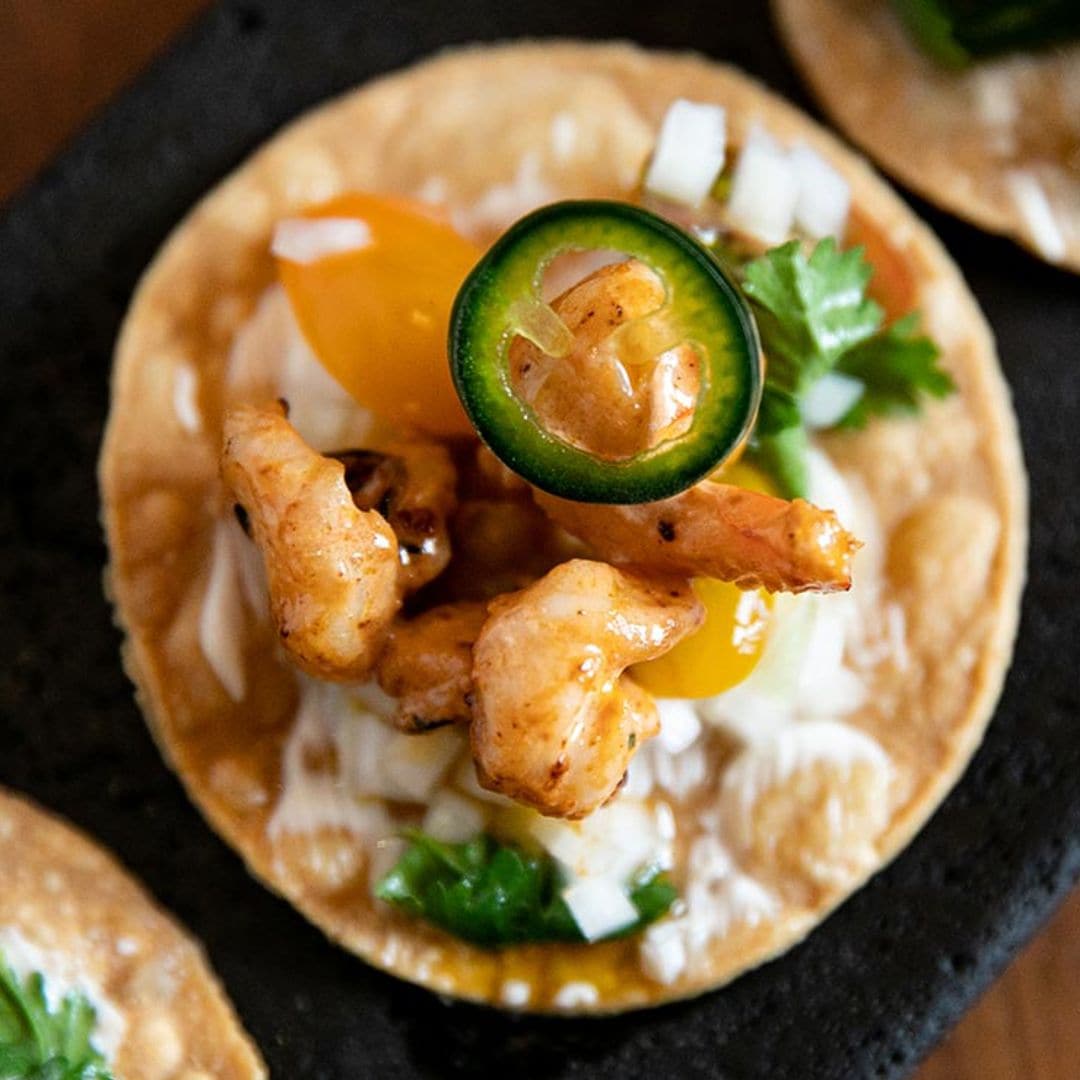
(39,1044)
(956,32)
(814,317)
(494,894)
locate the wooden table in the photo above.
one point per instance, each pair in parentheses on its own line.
(61,60)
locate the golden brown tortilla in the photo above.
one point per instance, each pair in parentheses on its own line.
(478,126)
(67,899)
(972,141)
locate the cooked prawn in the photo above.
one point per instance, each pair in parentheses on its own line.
(413,484)
(332,568)
(555,720)
(600,396)
(718,531)
(616,407)
(427,665)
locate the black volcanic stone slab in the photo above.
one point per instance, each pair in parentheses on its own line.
(871,990)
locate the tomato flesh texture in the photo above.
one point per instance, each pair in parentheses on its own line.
(721,653)
(729,644)
(377,318)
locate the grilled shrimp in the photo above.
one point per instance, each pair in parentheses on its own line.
(414,486)
(332,568)
(427,665)
(555,720)
(594,397)
(718,531)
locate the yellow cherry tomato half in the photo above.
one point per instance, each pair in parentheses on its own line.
(729,643)
(721,653)
(377,317)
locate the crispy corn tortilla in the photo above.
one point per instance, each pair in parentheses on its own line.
(65,898)
(983,143)
(948,487)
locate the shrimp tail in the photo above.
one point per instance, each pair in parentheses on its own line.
(719,531)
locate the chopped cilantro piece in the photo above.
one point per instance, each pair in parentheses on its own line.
(814,317)
(37,1043)
(809,310)
(896,367)
(954,32)
(494,894)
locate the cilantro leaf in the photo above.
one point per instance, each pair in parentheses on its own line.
(498,894)
(809,311)
(37,1043)
(814,317)
(896,368)
(954,32)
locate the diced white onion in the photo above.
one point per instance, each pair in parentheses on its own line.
(677,773)
(764,189)
(307,240)
(377,761)
(1034,207)
(464,779)
(824,195)
(689,152)
(614,842)
(830,399)
(313,799)
(600,906)
(639,777)
(680,724)
(996,100)
(663,952)
(453,818)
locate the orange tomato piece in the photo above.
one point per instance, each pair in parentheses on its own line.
(378,317)
(892,284)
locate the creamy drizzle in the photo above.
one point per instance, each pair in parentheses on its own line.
(270,358)
(221,620)
(311,798)
(502,204)
(63,977)
(1030,199)
(774,759)
(718,897)
(186,398)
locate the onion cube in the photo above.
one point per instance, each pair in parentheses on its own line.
(689,152)
(764,189)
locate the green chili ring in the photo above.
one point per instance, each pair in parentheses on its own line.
(711,313)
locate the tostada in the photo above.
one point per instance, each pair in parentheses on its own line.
(567,519)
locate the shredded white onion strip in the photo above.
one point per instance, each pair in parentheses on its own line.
(307,240)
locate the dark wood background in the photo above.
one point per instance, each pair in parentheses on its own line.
(62,60)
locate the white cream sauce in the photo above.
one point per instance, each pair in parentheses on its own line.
(186,398)
(314,798)
(502,204)
(270,358)
(63,977)
(222,617)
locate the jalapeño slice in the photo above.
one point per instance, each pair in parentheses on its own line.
(501,300)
